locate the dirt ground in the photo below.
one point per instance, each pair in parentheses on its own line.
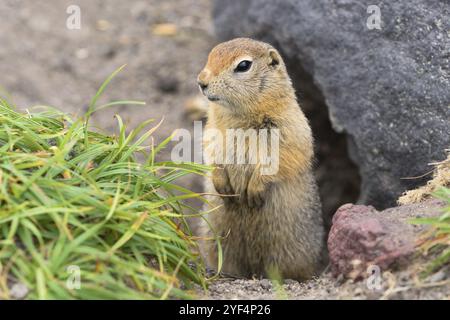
(164,44)
(399,285)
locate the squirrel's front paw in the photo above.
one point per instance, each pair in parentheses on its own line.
(222,184)
(255,196)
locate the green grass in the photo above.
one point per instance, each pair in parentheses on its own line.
(73,197)
(437,240)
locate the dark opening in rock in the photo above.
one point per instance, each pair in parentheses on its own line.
(337,176)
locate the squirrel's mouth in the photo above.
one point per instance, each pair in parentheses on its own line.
(213,98)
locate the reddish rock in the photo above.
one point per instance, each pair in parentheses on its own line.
(362,236)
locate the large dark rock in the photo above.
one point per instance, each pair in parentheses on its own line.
(362,236)
(387,89)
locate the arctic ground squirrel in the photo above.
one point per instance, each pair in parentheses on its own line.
(266,221)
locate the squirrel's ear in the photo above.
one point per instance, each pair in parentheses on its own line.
(275,58)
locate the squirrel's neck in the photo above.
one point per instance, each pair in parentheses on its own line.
(270,108)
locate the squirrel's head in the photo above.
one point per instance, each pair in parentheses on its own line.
(241,72)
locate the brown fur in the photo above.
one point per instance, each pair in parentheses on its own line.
(275,220)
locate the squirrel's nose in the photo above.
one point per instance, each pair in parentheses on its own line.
(203,86)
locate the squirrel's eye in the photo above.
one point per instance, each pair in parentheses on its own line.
(243,66)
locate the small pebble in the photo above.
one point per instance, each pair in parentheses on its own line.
(18,291)
(103,25)
(165,29)
(265,284)
(438,276)
(290,282)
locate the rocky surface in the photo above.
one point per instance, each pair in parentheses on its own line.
(388,89)
(361,237)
